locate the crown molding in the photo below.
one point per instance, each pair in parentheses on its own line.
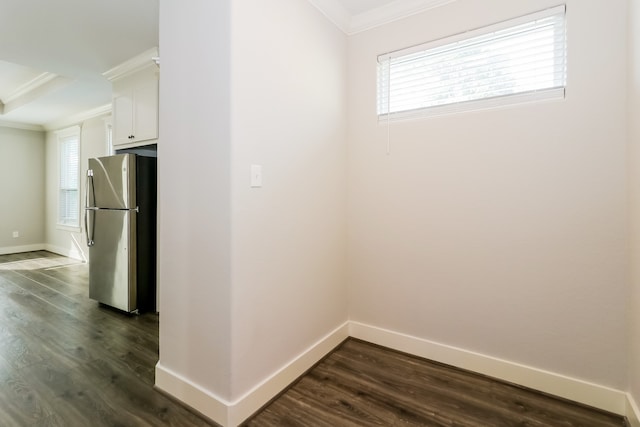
(32,90)
(394,11)
(133,65)
(398,9)
(29,86)
(24,126)
(335,12)
(78,118)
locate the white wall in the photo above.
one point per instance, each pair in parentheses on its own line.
(22,163)
(194,186)
(250,279)
(93,143)
(501,232)
(634,179)
(289,237)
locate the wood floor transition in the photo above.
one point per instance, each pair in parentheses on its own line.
(67,361)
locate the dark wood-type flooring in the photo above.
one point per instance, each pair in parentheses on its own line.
(361,384)
(67,361)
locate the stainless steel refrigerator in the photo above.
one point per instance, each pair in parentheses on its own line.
(120,222)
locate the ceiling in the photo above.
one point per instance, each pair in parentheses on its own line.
(353,16)
(356,7)
(54,53)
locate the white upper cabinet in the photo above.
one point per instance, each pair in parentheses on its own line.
(135,113)
(135,102)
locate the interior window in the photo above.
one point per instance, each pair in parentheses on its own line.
(514,61)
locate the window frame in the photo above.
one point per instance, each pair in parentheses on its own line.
(383,82)
(66,136)
(108,135)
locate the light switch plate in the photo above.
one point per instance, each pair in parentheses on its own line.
(256,176)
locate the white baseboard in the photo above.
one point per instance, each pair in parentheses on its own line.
(230,414)
(252,401)
(74,253)
(20,249)
(190,393)
(559,385)
(633,412)
(71,253)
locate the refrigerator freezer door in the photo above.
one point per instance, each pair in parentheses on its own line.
(112,184)
(112,270)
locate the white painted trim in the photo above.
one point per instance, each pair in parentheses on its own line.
(234,413)
(190,393)
(20,249)
(252,401)
(74,253)
(78,118)
(335,12)
(392,12)
(30,86)
(633,412)
(25,126)
(70,131)
(135,144)
(556,384)
(230,414)
(69,228)
(132,65)
(398,9)
(35,89)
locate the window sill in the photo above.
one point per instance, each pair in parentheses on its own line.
(70,228)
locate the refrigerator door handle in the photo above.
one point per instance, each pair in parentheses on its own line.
(87,209)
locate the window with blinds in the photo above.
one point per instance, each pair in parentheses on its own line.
(520,60)
(69,184)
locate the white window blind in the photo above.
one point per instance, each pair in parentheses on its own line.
(514,61)
(69,185)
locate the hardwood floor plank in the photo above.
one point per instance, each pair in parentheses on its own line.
(20,351)
(68,361)
(21,403)
(129,346)
(461,398)
(314,394)
(362,384)
(80,397)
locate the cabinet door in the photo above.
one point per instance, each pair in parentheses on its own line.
(122,118)
(145,111)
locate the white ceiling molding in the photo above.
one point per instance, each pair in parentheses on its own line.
(29,86)
(392,11)
(335,12)
(134,64)
(32,90)
(25,126)
(78,118)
